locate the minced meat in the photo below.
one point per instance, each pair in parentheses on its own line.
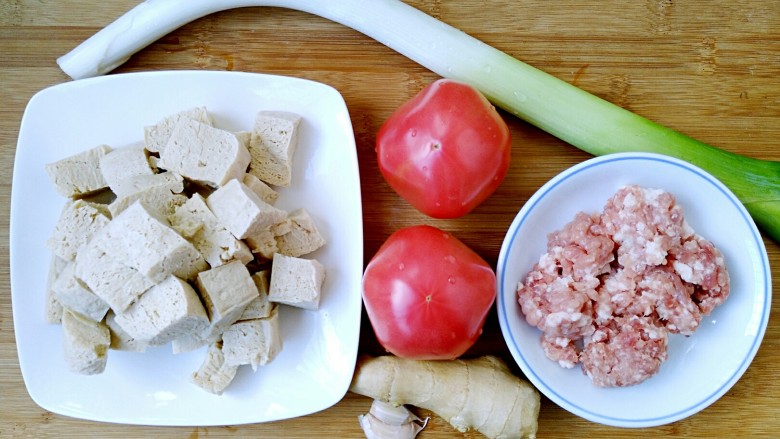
(612,285)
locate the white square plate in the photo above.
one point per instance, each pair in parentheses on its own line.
(700,368)
(316,365)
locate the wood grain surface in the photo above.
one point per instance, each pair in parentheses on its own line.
(707,68)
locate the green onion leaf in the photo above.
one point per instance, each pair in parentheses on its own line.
(563,110)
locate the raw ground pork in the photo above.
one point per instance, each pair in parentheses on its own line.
(612,286)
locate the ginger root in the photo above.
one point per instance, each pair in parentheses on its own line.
(480,393)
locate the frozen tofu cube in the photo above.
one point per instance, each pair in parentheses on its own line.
(272,146)
(260,307)
(157,136)
(255,342)
(86,344)
(226,290)
(74,295)
(122,165)
(302,237)
(144,242)
(189,342)
(296,281)
(194,221)
(53,307)
(160,193)
(77,224)
(204,154)
(121,340)
(263,243)
(166,312)
(111,280)
(79,174)
(244,137)
(241,211)
(265,192)
(214,374)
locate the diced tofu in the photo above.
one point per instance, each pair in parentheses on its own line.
(79,174)
(255,342)
(244,137)
(188,343)
(114,282)
(214,375)
(78,222)
(77,297)
(204,154)
(226,291)
(303,237)
(156,136)
(194,221)
(263,243)
(160,193)
(85,344)
(265,192)
(166,312)
(272,147)
(120,166)
(260,307)
(121,340)
(53,307)
(296,281)
(241,211)
(142,241)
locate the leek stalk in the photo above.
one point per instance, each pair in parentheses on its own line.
(563,110)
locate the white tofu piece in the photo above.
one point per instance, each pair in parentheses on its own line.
(114,282)
(244,137)
(265,192)
(188,343)
(120,166)
(194,221)
(296,281)
(204,154)
(53,307)
(272,147)
(263,243)
(85,344)
(255,342)
(166,312)
(226,291)
(79,175)
(303,237)
(260,307)
(156,136)
(121,340)
(77,297)
(241,211)
(142,241)
(160,193)
(77,224)
(214,375)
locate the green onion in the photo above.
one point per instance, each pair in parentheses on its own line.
(563,110)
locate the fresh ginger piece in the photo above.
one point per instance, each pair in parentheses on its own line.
(480,393)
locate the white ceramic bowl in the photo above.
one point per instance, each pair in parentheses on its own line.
(315,367)
(700,368)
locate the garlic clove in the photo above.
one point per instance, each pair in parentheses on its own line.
(386,421)
(391,414)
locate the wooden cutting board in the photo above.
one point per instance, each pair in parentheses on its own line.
(708,69)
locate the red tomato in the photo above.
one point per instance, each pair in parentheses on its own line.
(427,294)
(446,150)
